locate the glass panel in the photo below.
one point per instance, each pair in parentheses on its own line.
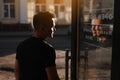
(12,11)
(96,39)
(6,13)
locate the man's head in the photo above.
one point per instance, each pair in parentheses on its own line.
(96,27)
(44,24)
(99,28)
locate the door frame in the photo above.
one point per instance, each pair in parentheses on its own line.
(75,39)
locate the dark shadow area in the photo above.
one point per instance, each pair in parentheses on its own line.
(8,69)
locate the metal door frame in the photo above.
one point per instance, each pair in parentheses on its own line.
(115,70)
(75,39)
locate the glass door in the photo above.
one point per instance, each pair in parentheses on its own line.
(92,25)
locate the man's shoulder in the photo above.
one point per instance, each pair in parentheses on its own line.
(48,45)
(25,41)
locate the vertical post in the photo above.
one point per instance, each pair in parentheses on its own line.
(75,48)
(66,64)
(86,64)
(74,40)
(115,70)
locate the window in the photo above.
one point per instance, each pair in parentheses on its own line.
(60,11)
(37,9)
(62,8)
(40,7)
(59,6)
(56,10)
(12,11)
(8,8)
(43,8)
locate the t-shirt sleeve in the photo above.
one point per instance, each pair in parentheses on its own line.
(50,58)
(18,51)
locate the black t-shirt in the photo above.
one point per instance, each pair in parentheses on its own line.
(34,55)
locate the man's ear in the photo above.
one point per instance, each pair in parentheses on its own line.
(40,28)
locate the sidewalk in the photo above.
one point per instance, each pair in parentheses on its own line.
(7,66)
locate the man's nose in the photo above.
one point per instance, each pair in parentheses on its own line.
(53,29)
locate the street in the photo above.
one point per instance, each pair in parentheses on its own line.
(9,44)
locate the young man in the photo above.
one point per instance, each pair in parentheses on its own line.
(35,58)
(98,29)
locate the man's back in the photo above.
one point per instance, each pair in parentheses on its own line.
(34,55)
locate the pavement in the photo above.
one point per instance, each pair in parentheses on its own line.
(7,66)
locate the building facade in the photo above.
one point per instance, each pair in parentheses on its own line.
(21,11)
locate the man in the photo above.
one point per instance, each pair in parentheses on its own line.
(35,58)
(98,29)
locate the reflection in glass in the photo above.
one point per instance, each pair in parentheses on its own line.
(97,27)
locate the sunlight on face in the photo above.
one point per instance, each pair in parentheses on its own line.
(53,29)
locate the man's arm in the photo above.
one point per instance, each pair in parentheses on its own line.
(52,73)
(16,70)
